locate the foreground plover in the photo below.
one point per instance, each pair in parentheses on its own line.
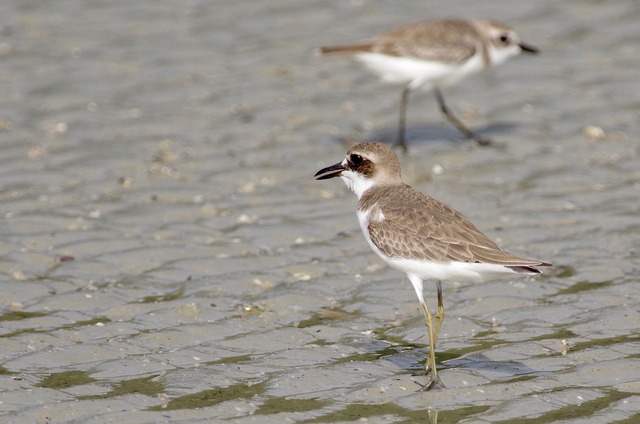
(435,54)
(419,235)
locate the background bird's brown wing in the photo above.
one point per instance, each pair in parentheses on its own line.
(448,41)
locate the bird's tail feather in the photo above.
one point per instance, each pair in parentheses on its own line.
(345,49)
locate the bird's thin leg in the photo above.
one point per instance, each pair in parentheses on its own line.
(400,142)
(430,365)
(439,312)
(456,122)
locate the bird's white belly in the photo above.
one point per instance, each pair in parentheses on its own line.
(450,271)
(417,73)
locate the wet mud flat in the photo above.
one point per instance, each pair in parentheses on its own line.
(166,255)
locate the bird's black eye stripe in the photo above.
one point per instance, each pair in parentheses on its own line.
(356,159)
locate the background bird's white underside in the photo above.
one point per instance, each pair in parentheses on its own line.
(419,73)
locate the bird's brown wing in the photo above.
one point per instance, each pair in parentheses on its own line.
(431,230)
(448,41)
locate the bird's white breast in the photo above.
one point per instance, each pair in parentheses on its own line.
(363,219)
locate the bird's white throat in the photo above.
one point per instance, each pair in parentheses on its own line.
(356,182)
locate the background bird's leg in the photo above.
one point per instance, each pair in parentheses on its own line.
(456,122)
(403,119)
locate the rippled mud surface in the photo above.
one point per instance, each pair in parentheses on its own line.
(166,256)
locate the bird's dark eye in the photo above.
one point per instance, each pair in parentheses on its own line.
(504,39)
(356,159)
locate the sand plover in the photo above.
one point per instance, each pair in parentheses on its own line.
(419,235)
(435,54)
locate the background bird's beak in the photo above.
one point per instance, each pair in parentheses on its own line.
(330,172)
(528,48)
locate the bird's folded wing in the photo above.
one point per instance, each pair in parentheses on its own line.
(442,41)
(436,232)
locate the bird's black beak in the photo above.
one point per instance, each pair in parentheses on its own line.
(330,172)
(528,48)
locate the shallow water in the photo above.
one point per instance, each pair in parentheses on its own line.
(166,255)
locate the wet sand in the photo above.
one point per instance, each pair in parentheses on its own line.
(166,255)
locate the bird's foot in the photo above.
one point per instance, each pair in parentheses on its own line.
(401,144)
(482,141)
(434,383)
(421,373)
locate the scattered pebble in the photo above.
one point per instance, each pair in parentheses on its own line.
(592,131)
